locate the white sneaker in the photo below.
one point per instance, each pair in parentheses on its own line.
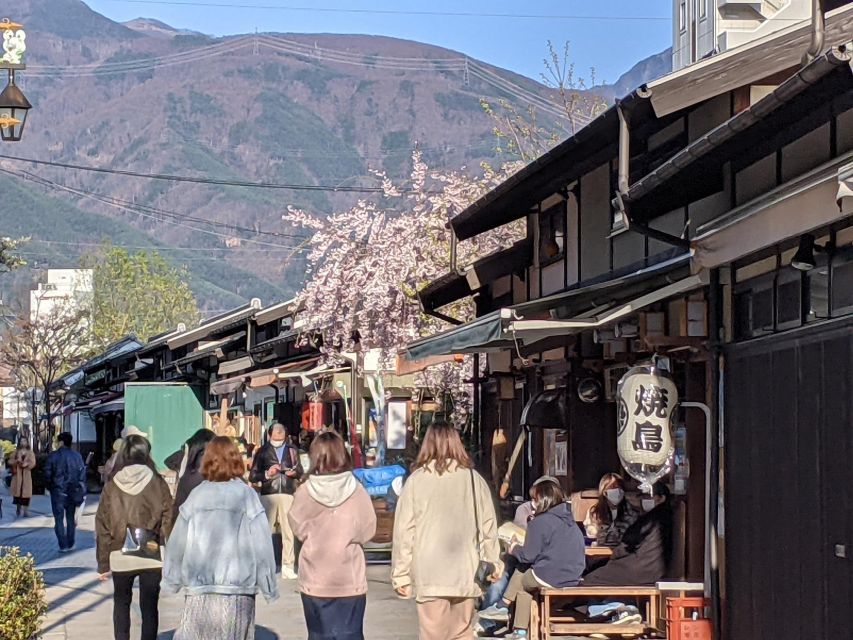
(288,574)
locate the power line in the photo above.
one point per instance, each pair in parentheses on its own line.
(400,12)
(195,180)
(157,214)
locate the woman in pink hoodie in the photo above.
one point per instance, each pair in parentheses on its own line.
(333,517)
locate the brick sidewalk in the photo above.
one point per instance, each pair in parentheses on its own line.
(80,607)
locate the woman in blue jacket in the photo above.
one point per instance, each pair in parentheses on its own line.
(553,552)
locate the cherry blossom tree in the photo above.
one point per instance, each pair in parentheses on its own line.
(366,264)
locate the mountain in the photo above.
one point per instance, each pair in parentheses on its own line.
(293,109)
(156,28)
(644,71)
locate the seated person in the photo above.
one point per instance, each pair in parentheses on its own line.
(553,553)
(641,558)
(523,515)
(608,519)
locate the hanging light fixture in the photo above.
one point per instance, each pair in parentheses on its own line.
(13,111)
(804,259)
(13,103)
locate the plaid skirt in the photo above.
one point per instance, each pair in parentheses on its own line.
(217,616)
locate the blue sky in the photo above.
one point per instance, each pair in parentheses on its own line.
(606,40)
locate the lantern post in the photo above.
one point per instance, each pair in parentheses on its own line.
(14,105)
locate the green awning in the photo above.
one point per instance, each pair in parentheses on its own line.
(509,328)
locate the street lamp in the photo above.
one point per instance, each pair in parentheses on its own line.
(13,103)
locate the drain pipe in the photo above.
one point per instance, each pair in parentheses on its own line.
(818,32)
(620,202)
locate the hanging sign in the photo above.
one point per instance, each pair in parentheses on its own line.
(647,400)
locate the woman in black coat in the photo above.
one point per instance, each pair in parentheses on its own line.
(187,464)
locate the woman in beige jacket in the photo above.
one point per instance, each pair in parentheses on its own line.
(22,462)
(437,545)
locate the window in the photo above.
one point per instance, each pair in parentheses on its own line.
(703,9)
(786,298)
(552,234)
(682,16)
(842,283)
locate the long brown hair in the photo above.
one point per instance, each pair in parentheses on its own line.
(329,455)
(443,447)
(601,509)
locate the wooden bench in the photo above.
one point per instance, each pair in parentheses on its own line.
(545,622)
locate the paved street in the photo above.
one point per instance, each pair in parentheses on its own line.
(81,606)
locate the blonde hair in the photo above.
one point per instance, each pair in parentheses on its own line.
(443,447)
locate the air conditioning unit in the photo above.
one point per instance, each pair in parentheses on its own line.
(612,376)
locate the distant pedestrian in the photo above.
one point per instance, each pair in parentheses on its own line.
(445,524)
(220,551)
(109,465)
(133,520)
(277,468)
(23,461)
(65,478)
(333,516)
(188,466)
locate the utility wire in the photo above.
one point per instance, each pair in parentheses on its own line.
(195,180)
(156,214)
(400,12)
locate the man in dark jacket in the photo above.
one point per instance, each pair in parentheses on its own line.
(277,469)
(65,477)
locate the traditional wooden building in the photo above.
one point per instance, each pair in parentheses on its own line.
(704,219)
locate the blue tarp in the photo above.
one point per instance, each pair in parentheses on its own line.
(377,480)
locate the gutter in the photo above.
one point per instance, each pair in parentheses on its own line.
(818,33)
(623,184)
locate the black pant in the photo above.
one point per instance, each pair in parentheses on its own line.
(334,618)
(149,594)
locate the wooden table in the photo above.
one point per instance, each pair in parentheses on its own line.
(599,552)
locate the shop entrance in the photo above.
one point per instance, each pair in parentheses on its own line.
(789,485)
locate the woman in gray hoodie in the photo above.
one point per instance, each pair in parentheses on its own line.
(135,499)
(220,551)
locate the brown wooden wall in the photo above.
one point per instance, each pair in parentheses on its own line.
(789,485)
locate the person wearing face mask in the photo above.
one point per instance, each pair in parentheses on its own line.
(609,518)
(277,468)
(642,557)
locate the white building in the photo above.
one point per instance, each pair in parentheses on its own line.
(704,27)
(64,288)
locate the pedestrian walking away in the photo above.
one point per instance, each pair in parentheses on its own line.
(131,525)
(22,462)
(187,464)
(333,516)
(445,525)
(220,551)
(278,470)
(65,478)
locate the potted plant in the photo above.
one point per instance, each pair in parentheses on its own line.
(22,599)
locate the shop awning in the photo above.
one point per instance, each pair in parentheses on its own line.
(266,377)
(508,327)
(801,206)
(238,364)
(844,197)
(111,406)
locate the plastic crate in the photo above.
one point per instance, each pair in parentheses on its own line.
(680,622)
